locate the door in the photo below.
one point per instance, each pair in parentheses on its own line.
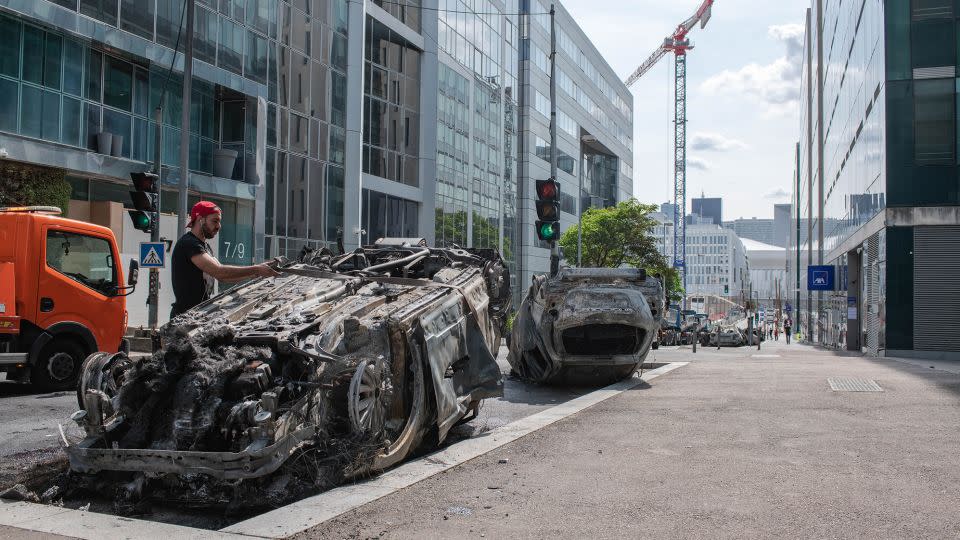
(77,283)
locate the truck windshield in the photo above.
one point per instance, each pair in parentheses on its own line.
(83,258)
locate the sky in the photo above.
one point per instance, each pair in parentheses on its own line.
(743,85)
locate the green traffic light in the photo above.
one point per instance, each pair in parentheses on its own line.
(141,220)
(547,231)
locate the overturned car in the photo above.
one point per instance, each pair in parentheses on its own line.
(586,325)
(342,366)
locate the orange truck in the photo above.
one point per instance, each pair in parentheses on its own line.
(61,295)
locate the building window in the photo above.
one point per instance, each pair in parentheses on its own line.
(931,9)
(934,105)
(136,17)
(102,10)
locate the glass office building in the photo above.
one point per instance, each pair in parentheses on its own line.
(354,119)
(594,129)
(878,175)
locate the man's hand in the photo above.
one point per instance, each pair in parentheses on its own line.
(264,270)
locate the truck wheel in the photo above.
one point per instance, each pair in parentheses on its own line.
(58,365)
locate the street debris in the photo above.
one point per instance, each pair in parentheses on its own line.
(283,386)
(19,492)
(586,325)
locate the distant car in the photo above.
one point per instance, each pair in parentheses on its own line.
(584,326)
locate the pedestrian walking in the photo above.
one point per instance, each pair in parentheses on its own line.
(787,326)
(776,332)
(193,267)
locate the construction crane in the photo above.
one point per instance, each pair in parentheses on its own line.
(678,44)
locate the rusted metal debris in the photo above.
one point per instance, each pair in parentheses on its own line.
(341,367)
(586,325)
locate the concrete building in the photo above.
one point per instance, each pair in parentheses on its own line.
(877,154)
(717,262)
(781,225)
(595,135)
(759,230)
(365,119)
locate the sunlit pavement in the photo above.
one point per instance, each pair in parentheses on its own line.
(739,443)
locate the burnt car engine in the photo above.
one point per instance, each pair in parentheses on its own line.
(341,367)
(586,325)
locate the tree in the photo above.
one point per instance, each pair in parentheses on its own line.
(621,235)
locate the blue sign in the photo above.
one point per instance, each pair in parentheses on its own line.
(152,255)
(820,278)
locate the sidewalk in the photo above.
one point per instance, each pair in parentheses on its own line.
(732,445)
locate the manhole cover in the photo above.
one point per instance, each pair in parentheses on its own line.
(847,384)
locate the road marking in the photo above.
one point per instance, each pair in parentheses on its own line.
(312,511)
(765,355)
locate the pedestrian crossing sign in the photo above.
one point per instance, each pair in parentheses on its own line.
(152,255)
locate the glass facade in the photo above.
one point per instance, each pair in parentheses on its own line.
(476,126)
(887,111)
(594,127)
(64,90)
(391,123)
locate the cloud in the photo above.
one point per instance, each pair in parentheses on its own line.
(713,142)
(778,193)
(697,163)
(776,84)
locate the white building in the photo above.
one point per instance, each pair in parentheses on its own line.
(768,272)
(716,259)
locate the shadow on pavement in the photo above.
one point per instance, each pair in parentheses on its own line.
(10,389)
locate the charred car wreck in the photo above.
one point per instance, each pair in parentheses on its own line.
(586,325)
(342,366)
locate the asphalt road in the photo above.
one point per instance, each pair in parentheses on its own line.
(739,443)
(29,436)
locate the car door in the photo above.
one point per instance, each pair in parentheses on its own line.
(77,283)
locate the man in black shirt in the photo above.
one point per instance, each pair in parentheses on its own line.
(194,269)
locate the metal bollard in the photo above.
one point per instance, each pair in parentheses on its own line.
(695,340)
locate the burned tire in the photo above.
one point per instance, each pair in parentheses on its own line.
(415,417)
(58,365)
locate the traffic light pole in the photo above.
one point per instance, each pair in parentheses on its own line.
(554,248)
(182,209)
(153,294)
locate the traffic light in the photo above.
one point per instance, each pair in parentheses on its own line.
(726,289)
(147,186)
(548,210)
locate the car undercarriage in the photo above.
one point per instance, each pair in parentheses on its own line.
(342,366)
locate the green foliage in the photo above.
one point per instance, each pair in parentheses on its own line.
(29,185)
(451,228)
(622,235)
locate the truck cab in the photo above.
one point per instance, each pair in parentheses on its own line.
(61,295)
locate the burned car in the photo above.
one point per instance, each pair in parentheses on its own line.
(586,325)
(341,367)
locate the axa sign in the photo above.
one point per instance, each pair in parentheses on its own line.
(821,278)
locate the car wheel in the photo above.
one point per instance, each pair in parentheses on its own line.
(58,365)
(408,437)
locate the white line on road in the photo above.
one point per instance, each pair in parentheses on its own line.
(310,512)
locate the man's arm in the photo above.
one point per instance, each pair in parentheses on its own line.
(228,273)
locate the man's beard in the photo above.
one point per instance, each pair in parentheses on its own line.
(207,233)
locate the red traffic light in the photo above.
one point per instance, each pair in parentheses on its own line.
(548,190)
(148,182)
